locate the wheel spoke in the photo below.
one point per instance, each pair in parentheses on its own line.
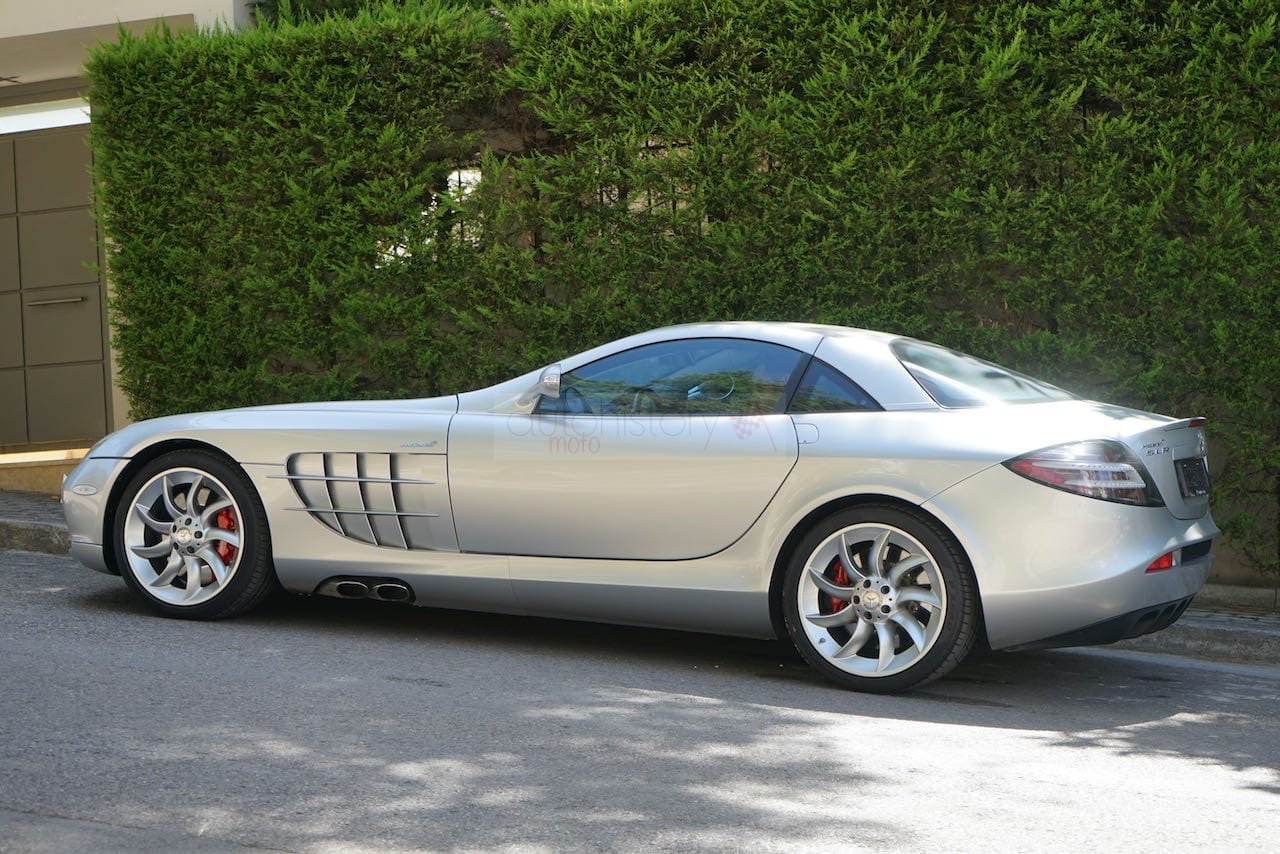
(846,558)
(144,513)
(856,641)
(160,549)
(171,571)
(219,569)
(923,595)
(170,499)
(231,538)
(911,626)
(840,618)
(193,577)
(874,565)
(904,566)
(887,643)
(208,514)
(193,492)
(829,587)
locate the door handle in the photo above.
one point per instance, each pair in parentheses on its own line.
(61,301)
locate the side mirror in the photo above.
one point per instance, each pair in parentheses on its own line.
(549,382)
(548,385)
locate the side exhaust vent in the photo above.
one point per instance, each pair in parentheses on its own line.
(382,589)
(391,591)
(351,589)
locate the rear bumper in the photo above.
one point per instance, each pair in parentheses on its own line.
(1134,624)
(1092,612)
(1052,566)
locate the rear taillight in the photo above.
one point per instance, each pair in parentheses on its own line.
(1100,469)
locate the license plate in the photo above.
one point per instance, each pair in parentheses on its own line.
(1193,478)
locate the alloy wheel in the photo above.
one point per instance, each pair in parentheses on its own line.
(182,536)
(871,600)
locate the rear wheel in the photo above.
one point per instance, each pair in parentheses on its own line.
(879,599)
(191,537)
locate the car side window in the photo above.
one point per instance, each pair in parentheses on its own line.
(824,389)
(697,376)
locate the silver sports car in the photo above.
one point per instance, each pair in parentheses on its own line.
(883,502)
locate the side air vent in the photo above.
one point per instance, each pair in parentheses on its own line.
(395,500)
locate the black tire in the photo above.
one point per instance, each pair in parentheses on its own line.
(839,622)
(169,551)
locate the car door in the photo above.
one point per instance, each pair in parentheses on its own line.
(663,452)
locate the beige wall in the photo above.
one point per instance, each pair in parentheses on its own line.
(43,42)
(43,46)
(24,18)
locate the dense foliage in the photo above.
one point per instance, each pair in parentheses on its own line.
(1086,190)
(255,188)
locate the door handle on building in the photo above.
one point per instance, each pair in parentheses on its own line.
(62,301)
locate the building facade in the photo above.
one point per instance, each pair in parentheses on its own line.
(56,376)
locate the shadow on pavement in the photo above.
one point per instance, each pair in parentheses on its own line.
(399,727)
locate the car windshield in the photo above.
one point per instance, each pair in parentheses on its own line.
(955,379)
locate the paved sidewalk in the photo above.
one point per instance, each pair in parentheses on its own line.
(1225,623)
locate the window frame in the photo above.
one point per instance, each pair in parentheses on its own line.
(781,407)
(795,391)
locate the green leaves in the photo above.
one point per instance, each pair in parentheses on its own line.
(253,184)
(1085,190)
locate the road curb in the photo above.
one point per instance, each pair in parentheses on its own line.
(1216,636)
(34,537)
(32,522)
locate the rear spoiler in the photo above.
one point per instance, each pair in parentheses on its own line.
(1198,421)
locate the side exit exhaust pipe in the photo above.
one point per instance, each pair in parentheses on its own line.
(351,589)
(382,589)
(391,591)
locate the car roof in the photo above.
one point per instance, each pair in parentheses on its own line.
(801,336)
(767,329)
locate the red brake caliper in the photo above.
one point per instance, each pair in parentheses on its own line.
(226,520)
(842,578)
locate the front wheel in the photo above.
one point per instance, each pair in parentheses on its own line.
(191,537)
(880,599)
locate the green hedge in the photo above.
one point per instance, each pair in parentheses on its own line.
(1089,191)
(249,185)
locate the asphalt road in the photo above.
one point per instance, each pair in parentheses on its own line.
(319,725)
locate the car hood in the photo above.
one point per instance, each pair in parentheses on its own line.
(124,442)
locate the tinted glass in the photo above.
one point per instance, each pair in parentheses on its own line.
(699,376)
(957,380)
(824,389)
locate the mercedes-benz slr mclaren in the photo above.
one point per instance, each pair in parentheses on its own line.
(883,502)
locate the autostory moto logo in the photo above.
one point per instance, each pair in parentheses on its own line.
(592,434)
